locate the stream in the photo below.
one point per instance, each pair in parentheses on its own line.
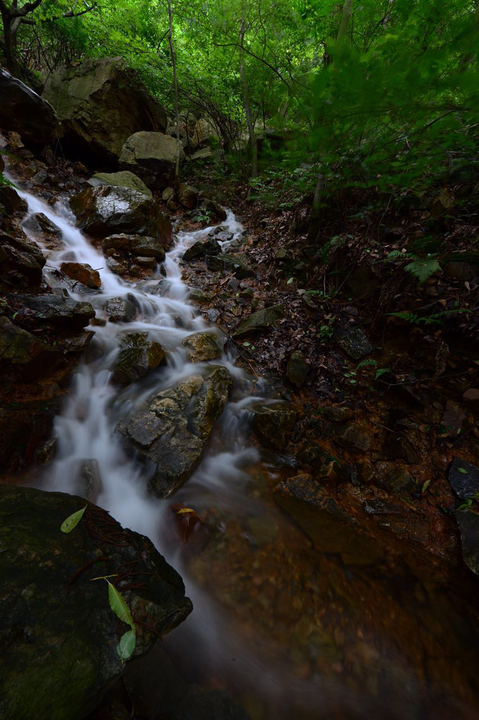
(288,631)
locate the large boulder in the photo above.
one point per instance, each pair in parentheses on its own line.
(169,432)
(25,112)
(101,103)
(152,156)
(203,346)
(23,354)
(58,633)
(107,210)
(124,178)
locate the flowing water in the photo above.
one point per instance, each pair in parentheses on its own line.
(289,631)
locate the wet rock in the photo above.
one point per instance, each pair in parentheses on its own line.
(468,523)
(259,320)
(463,478)
(227,263)
(152,156)
(138,355)
(393,478)
(106,210)
(330,529)
(46,225)
(356,437)
(170,430)
(21,262)
(82,273)
(88,481)
(353,341)
(59,634)
(297,368)
(24,353)
(101,103)
(273,423)
(202,248)
(58,310)
(135,245)
(188,196)
(120,266)
(10,201)
(203,346)
(23,111)
(337,413)
(120,309)
(124,178)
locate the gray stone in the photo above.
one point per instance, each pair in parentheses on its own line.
(120,309)
(259,320)
(356,437)
(353,341)
(57,310)
(203,346)
(169,432)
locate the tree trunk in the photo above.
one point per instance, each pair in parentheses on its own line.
(247,108)
(175,86)
(10,42)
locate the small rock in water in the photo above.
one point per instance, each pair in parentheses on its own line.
(82,273)
(120,309)
(463,478)
(88,480)
(138,355)
(148,262)
(203,346)
(353,341)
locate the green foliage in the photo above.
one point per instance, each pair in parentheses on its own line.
(423,269)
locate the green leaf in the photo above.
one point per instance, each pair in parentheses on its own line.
(425,485)
(126,646)
(291,280)
(381,371)
(423,269)
(72,521)
(462,470)
(119,606)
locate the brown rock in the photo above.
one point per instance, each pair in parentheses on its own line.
(82,273)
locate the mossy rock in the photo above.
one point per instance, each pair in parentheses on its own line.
(58,633)
(138,355)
